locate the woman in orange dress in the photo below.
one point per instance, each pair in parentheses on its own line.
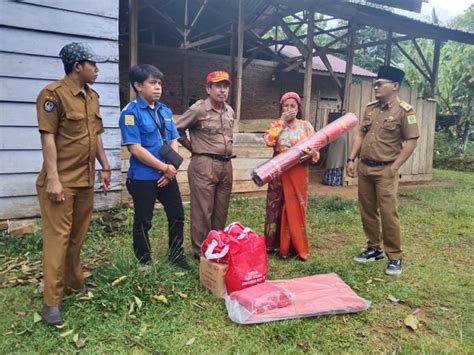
(285,220)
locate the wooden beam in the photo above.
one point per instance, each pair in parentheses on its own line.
(388,48)
(415,64)
(133,37)
(205,40)
(240,55)
(233,41)
(409,5)
(349,66)
(383,41)
(196,18)
(325,61)
(185,77)
(434,72)
(308,75)
(165,17)
(422,56)
(295,40)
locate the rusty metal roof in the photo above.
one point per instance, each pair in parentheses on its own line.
(337,64)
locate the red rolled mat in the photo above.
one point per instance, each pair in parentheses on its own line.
(276,166)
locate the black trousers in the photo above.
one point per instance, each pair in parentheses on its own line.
(144,194)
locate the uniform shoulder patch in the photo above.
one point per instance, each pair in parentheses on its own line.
(411,118)
(405,106)
(372,103)
(50,104)
(129,120)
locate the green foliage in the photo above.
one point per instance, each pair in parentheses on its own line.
(446,154)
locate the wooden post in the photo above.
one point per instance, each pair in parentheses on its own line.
(233,40)
(240,54)
(349,65)
(434,72)
(185,77)
(133,37)
(308,75)
(388,48)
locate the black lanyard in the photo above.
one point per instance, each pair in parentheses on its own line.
(161,127)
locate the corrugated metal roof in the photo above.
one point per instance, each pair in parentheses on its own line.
(338,65)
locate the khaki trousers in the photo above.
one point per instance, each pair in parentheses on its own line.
(65,226)
(378,189)
(210,182)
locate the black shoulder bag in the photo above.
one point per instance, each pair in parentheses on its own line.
(166,152)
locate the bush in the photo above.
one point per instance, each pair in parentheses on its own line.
(446,155)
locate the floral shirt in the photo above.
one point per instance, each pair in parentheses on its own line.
(283,137)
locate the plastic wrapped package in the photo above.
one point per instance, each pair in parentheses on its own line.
(311,296)
(257,299)
(276,166)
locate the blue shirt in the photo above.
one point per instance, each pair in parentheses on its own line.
(139,125)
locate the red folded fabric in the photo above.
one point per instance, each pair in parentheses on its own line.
(262,297)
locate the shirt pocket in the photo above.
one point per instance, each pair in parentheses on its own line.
(389,129)
(74,124)
(149,135)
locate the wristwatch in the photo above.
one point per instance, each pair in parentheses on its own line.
(350,160)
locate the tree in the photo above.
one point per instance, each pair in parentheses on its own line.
(455,78)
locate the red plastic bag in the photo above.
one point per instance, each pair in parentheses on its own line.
(247,261)
(216,247)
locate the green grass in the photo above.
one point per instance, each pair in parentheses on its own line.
(437,227)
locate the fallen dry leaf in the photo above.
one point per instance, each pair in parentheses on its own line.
(182,294)
(392,298)
(119,280)
(138,302)
(411,322)
(66,333)
(36,317)
(80,343)
(191,341)
(160,298)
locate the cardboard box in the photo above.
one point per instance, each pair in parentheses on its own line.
(212,276)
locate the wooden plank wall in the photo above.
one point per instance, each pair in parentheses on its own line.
(419,166)
(32,34)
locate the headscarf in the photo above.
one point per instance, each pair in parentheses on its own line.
(291,95)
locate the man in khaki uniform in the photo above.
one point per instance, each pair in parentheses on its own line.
(386,124)
(70,125)
(210,123)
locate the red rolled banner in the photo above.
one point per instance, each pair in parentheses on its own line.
(276,166)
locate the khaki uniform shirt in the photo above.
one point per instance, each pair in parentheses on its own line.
(64,110)
(385,128)
(210,131)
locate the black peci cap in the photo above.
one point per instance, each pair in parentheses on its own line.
(391,73)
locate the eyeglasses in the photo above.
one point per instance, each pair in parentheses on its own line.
(378,84)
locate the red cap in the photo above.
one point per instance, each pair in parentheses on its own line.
(218,76)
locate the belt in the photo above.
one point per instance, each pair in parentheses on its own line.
(369,162)
(217,157)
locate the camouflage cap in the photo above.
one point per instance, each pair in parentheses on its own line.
(78,51)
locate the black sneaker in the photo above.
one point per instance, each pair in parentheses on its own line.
(371,254)
(394,267)
(181,263)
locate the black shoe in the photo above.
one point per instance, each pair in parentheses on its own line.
(181,263)
(394,267)
(52,315)
(371,254)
